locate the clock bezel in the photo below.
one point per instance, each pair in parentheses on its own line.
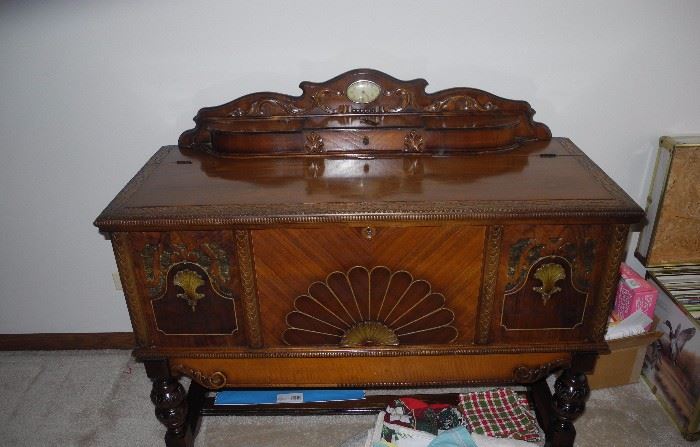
(368,81)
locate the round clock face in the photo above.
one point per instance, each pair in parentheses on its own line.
(363,91)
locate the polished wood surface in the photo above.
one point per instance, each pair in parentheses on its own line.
(184,189)
(416,240)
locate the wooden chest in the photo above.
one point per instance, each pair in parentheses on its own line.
(367,234)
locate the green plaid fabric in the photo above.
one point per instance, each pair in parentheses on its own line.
(499,413)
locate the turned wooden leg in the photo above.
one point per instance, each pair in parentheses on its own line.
(170,400)
(569,401)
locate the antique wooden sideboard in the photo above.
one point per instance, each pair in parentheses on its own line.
(369,234)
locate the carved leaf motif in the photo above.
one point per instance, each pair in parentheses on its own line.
(189,282)
(530,374)
(413,142)
(158,258)
(406,99)
(549,274)
(459,102)
(314,143)
(268,107)
(374,307)
(320,98)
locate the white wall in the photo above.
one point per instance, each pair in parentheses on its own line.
(89,90)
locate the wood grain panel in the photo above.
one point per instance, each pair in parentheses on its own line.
(448,258)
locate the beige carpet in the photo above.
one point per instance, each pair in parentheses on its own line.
(100,398)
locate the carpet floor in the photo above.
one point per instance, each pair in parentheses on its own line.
(101,398)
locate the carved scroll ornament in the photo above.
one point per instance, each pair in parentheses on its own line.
(213,381)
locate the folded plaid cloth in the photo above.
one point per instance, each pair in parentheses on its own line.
(499,413)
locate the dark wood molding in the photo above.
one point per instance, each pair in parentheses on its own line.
(60,341)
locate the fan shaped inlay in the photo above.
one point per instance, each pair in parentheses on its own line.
(363,307)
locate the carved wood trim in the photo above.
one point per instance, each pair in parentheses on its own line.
(289,352)
(159,258)
(212,381)
(413,142)
(426,384)
(118,216)
(608,286)
(314,143)
(249,298)
(492,256)
(530,374)
(228,215)
(125,265)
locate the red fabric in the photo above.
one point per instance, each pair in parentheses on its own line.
(417,404)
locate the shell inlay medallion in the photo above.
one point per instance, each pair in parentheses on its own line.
(370,307)
(369,333)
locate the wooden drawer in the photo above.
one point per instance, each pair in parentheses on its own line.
(185,287)
(364,286)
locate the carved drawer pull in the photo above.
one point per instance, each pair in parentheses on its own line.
(314,143)
(189,281)
(413,142)
(549,274)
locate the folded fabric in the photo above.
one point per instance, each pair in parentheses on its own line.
(499,413)
(419,415)
(456,437)
(487,441)
(400,436)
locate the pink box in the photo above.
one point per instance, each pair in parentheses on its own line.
(634,293)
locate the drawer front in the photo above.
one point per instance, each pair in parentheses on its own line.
(183,288)
(368,286)
(548,282)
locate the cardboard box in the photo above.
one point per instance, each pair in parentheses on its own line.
(624,363)
(634,293)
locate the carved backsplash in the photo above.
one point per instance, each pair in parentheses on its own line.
(448,120)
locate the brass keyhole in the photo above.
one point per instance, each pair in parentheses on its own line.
(365,140)
(369,232)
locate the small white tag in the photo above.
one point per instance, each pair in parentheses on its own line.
(294,398)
